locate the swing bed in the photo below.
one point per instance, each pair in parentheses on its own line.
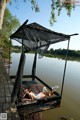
(36,38)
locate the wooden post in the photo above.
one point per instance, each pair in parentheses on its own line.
(22,45)
(18,79)
(34,66)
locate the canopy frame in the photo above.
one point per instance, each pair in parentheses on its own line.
(35,37)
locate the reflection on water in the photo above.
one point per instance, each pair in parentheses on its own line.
(51,71)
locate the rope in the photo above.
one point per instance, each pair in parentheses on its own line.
(65,68)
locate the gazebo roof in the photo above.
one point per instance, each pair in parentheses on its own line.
(34,36)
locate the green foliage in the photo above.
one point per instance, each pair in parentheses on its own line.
(56,7)
(73,55)
(33,3)
(63,52)
(10,24)
(17,49)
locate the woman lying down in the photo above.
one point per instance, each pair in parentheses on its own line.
(29,95)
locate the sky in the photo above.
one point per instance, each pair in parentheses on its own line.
(65,24)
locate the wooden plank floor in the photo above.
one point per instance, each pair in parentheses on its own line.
(5,94)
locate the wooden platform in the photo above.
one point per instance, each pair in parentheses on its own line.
(5,94)
(38,105)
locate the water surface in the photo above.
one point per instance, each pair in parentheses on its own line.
(51,71)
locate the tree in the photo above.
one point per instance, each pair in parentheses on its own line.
(10,24)
(2,9)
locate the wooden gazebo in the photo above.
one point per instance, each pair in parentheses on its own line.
(37,38)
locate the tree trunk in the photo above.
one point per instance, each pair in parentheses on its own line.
(2,9)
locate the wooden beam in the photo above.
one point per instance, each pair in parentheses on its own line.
(18,79)
(34,66)
(43,83)
(24,76)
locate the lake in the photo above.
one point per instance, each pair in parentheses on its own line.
(51,70)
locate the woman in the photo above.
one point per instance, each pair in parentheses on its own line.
(42,94)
